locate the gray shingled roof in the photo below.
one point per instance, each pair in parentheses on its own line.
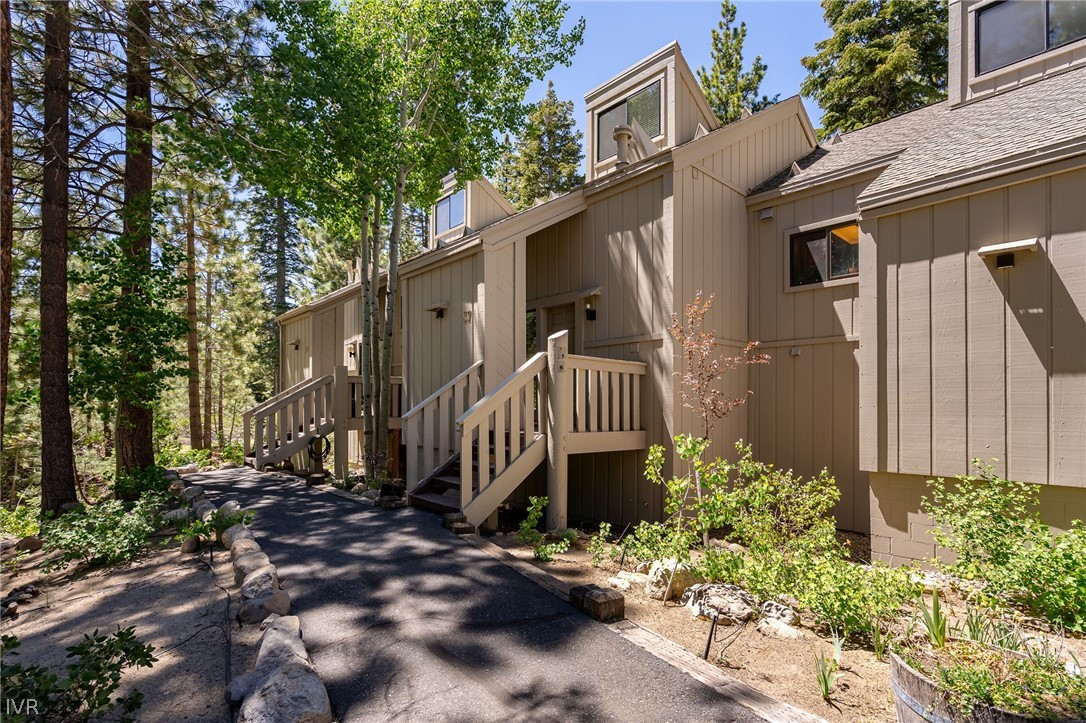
(939,140)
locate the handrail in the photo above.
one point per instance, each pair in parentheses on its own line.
(490,401)
(284,424)
(429,429)
(514,430)
(601,363)
(444,388)
(604,394)
(270,401)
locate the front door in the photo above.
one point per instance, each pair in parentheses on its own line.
(562,318)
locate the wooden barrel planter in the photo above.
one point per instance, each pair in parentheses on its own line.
(917,699)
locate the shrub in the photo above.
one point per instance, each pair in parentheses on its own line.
(103,534)
(91,679)
(597,545)
(180,456)
(134,485)
(993,526)
(23,519)
(849,598)
(528,534)
(720,565)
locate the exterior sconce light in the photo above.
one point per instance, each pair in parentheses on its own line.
(438,309)
(294,344)
(350,350)
(1004,253)
(467,317)
(589,312)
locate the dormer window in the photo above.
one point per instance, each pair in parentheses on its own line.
(1014,30)
(450,212)
(642,106)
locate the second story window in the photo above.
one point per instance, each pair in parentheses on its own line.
(1014,30)
(816,257)
(450,212)
(643,106)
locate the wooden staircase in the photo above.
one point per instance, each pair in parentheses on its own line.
(440,492)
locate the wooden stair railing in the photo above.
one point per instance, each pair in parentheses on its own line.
(281,427)
(506,426)
(429,426)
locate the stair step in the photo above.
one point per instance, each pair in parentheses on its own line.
(434,501)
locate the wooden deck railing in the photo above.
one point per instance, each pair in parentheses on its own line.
(429,426)
(358,404)
(606,398)
(282,426)
(508,415)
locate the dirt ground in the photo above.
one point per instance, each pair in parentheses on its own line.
(784,669)
(183,605)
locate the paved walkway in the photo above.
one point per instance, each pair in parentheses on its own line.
(404,621)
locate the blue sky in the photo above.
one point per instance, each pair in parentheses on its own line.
(618,33)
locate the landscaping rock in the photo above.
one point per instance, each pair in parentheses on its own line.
(729,604)
(190,544)
(187,469)
(643,567)
(315,479)
(294,693)
(234,533)
(776,611)
(176,517)
(634,578)
(358,489)
(177,487)
(278,603)
(774,628)
(30,544)
(599,603)
(289,624)
(242,546)
(660,575)
(371,494)
(391,502)
(260,583)
(248,562)
(204,511)
(618,583)
(450,518)
(229,465)
(462,528)
(171,474)
(192,493)
(278,647)
(230,507)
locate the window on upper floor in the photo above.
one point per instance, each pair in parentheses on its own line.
(450,212)
(1014,30)
(816,257)
(643,106)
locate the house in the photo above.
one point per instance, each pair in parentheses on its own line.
(920,285)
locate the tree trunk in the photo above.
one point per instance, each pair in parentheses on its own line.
(196,433)
(374,322)
(364,357)
(208,399)
(135,441)
(7,201)
(280,300)
(219,438)
(58,463)
(390,306)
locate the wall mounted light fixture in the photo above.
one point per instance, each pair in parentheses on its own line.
(1004,253)
(294,344)
(589,311)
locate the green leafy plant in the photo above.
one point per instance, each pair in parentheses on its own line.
(597,544)
(848,597)
(993,527)
(935,621)
(528,534)
(716,565)
(103,534)
(134,485)
(22,520)
(827,674)
(92,679)
(880,641)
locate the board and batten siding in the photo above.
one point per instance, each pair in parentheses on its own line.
(804,412)
(970,361)
(436,349)
(621,243)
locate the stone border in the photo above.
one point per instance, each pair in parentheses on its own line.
(283,685)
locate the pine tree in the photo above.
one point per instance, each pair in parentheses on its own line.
(885,57)
(548,154)
(505,176)
(726,86)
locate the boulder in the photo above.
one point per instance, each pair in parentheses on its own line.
(248,562)
(192,493)
(634,578)
(358,489)
(230,507)
(278,647)
(204,510)
(371,494)
(228,465)
(171,474)
(729,604)
(618,583)
(462,528)
(391,502)
(774,628)
(176,517)
(260,583)
(177,487)
(643,567)
(293,693)
(776,611)
(234,533)
(190,544)
(680,576)
(187,469)
(284,623)
(30,544)
(242,546)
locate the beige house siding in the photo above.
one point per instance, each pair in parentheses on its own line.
(436,349)
(622,244)
(803,415)
(963,360)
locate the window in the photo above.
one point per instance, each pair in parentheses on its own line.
(1014,30)
(643,106)
(450,212)
(816,257)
